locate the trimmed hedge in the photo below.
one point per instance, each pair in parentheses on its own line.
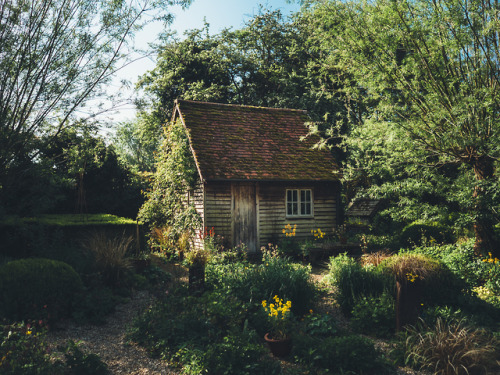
(38,288)
(27,237)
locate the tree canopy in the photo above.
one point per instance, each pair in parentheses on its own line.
(55,57)
(433,70)
(271,61)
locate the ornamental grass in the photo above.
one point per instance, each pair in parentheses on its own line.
(111,255)
(452,348)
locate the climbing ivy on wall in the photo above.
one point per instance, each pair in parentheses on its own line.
(176,173)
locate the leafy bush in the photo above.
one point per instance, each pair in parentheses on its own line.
(343,354)
(451,348)
(171,324)
(276,275)
(23,351)
(38,289)
(206,334)
(352,281)
(374,315)
(80,363)
(238,353)
(459,258)
(95,305)
(418,234)
(318,325)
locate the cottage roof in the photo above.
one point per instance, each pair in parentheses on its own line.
(233,142)
(363,207)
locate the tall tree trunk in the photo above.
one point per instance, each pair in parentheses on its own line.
(484,169)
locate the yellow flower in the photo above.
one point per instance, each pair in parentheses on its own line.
(28,332)
(310,311)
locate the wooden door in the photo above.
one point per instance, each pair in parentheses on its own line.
(244,215)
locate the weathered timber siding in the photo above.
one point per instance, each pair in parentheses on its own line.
(196,196)
(244,215)
(272,210)
(218,209)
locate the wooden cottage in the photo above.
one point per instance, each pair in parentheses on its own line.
(258,172)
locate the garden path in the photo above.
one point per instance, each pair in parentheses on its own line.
(109,343)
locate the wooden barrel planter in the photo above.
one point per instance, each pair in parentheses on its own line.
(196,278)
(408,303)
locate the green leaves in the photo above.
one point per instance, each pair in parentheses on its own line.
(175,175)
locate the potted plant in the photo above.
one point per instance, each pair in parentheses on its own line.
(279,315)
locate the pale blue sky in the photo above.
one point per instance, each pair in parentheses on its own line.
(218,13)
(225,13)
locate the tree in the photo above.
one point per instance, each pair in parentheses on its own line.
(272,61)
(55,57)
(137,142)
(433,67)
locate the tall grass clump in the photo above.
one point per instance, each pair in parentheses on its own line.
(352,281)
(451,348)
(110,255)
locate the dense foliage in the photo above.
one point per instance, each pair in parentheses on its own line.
(433,74)
(176,173)
(222,330)
(38,289)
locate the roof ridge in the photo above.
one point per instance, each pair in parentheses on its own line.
(178,101)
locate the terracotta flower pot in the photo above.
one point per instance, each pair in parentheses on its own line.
(279,348)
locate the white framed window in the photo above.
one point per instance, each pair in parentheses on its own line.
(299,202)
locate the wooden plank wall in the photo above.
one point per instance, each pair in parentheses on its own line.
(218,209)
(272,212)
(197,198)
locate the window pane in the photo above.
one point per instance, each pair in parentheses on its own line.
(292,209)
(292,204)
(305,202)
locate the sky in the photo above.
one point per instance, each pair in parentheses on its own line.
(219,14)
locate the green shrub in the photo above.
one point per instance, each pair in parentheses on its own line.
(23,351)
(205,334)
(417,234)
(318,325)
(460,259)
(38,289)
(171,324)
(374,315)
(459,272)
(289,246)
(95,305)
(80,363)
(238,353)
(276,275)
(451,348)
(340,355)
(352,281)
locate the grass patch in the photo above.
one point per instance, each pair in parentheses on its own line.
(68,220)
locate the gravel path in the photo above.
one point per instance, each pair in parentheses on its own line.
(108,341)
